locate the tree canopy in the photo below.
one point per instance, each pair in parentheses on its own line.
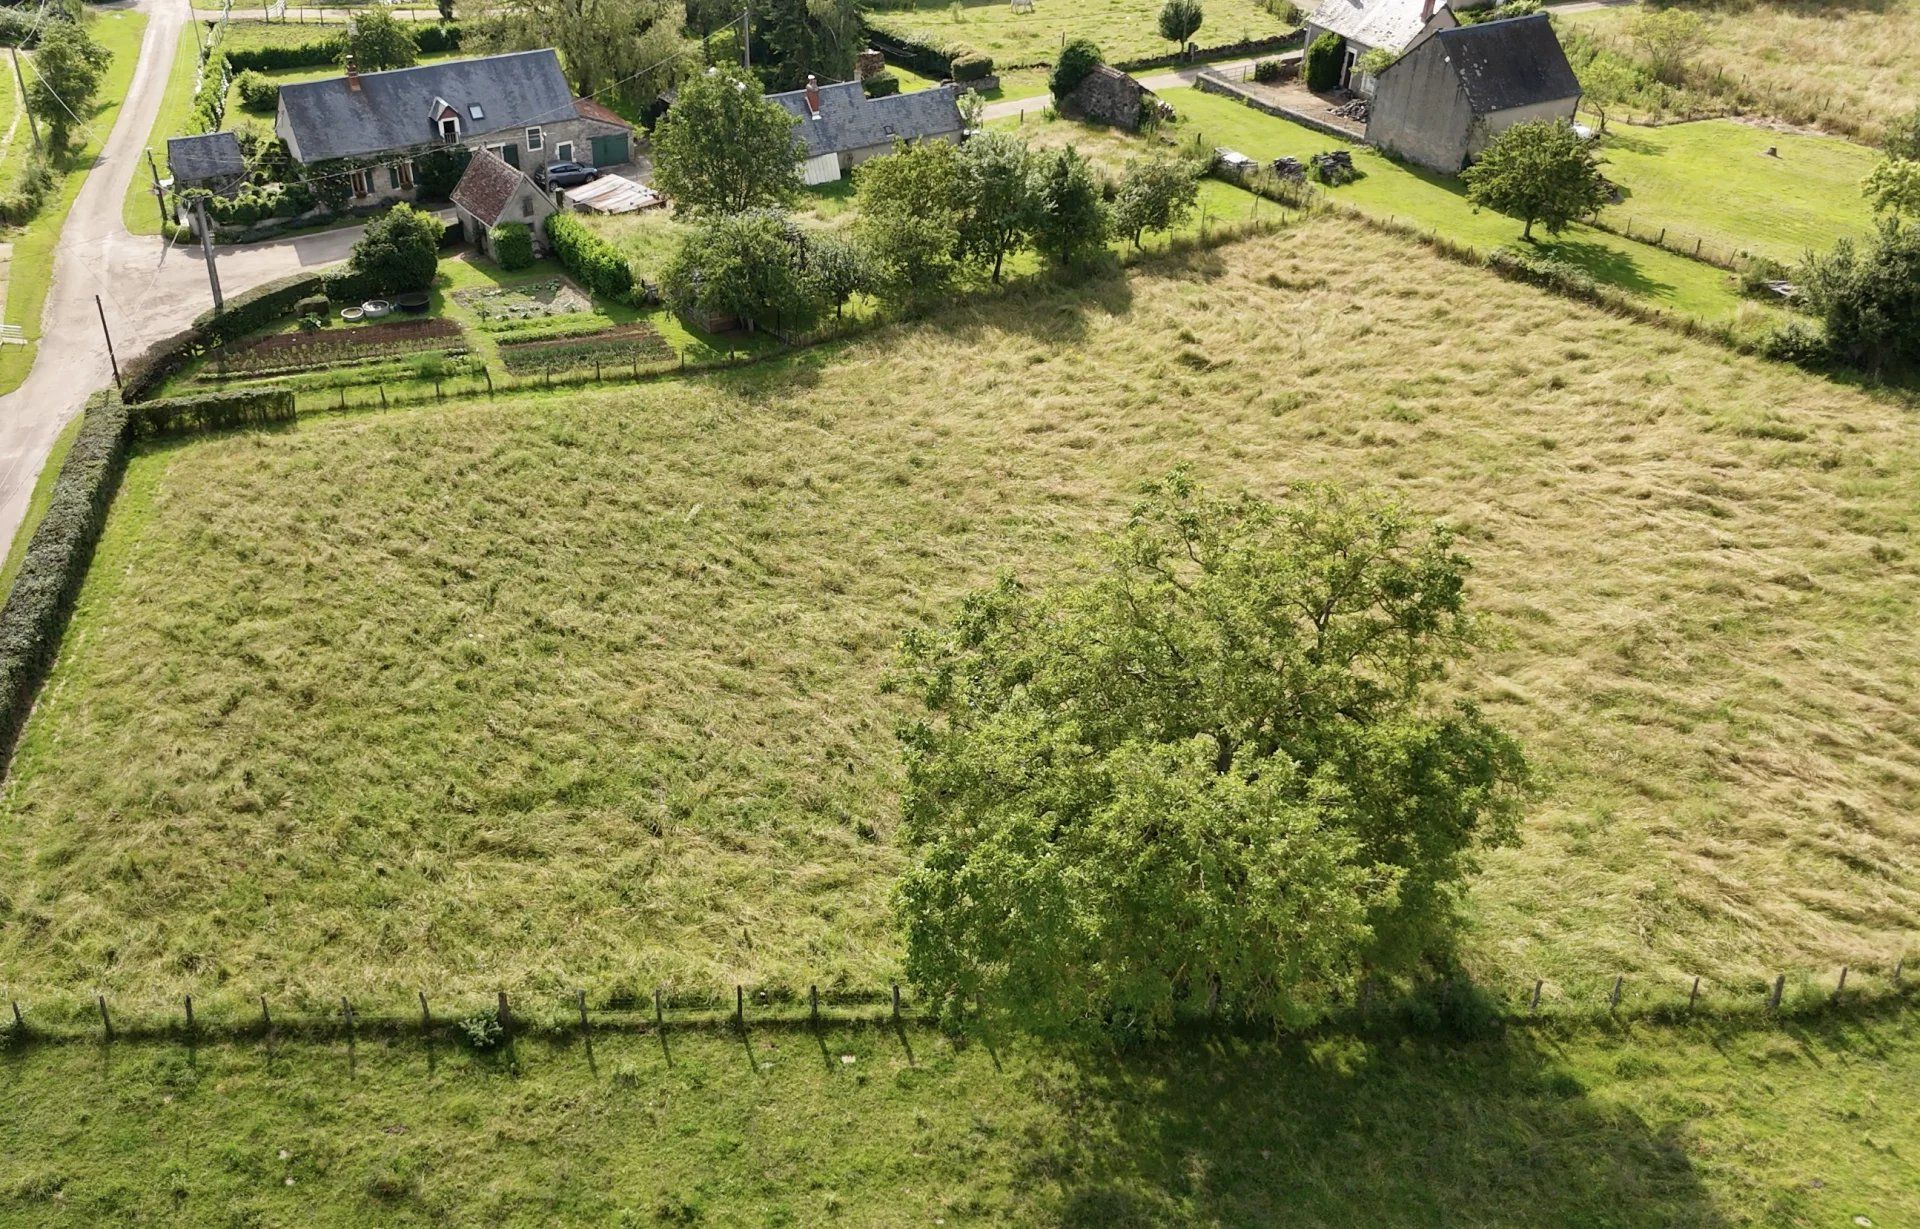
(745,265)
(909,219)
(1540,172)
(1070,220)
(1076,59)
(821,37)
(1668,38)
(67,67)
(1867,296)
(399,251)
(1180,20)
(1894,188)
(377,40)
(723,148)
(1155,194)
(631,49)
(995,196)
(1223,765)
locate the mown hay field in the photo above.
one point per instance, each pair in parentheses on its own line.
(1124,30)
(586,689)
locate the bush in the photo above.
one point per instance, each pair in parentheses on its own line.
(1867,295)
(437,172)
(20,203)
(345,284)
(318,53)
(512,245)
(399,250)
(482,1030)
(56,560)
(596,264)
(1757,273)
(210,99)
(257,91)
(880,85)
(311,305)
(1529,266)
(210,412)
(1078,58)
(1267,71)
(1322,66)
(1797,342)
(971,66)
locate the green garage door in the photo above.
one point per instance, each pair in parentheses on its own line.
(610,151)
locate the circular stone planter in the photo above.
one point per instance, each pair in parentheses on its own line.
(414,301)
(376,308)
(351,314)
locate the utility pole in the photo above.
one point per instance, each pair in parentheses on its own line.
(746,38)
(111,357)
(159,195)
(32,123)
(206,249)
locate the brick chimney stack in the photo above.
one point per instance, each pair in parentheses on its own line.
(353,73)
(813,96)
(1426,12)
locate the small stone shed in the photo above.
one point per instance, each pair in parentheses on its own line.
(211,160)
(1454,91)
(1107,96)
(491,192)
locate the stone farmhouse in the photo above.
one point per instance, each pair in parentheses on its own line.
(1393,25)
(1456,89)
(517,106)
(840,127)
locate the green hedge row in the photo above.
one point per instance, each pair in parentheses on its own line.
(210,412)
(56,561)
(594,262)
(246,313)
(327,51)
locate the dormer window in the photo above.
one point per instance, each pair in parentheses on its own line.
(450,127)
(474,111)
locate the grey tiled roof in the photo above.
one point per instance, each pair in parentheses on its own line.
(394,109)
(850,120)
(1507,64)
(212,155)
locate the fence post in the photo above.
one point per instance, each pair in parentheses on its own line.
(266,1017)
(1898,967)
(739,1007)
(506,1019)
(1533,1004)
(488,372)
(1693,995)
(346,1011)
(813,1004)
(190,1009)
(383,396)
(19,1025)
(426,1017)
(896,1000)
(106,1022)
(1779,985)
(1840,989)
(1613,1000)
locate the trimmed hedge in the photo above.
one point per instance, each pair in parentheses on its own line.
(595,263)
(325,52)
(882,84)
(512,245)
(1322,66)
(210,412)
(56,561)
(971,66)
(257,308)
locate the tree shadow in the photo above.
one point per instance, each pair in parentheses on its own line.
(1619,138)
(1606,264)
(1354,1131)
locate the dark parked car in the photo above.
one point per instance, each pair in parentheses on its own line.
(565,174)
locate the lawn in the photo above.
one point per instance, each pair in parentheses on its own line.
(1849,67)
(585,689)
(34,243)
(173,119)
(1406,193)
(1712,181)
(1123,29)
(1594,1128)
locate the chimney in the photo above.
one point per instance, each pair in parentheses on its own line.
(1426,12)
(353,72)
(813,96)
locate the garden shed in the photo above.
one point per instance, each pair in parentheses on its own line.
(211,160)
(491,192)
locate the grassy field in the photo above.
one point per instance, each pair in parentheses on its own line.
(1712,180)
(1802,1125)
(33,244)
(1123,29)
(1850,68)
(172,120)
(585,689)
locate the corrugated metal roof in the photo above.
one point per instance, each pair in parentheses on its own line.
(1508,64)
(849,120)
(613,194)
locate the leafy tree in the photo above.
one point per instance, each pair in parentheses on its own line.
(909,219)
(1078,58)
(377,40)
(996,197)
(1225,763)
(1180,21)
(1540,172)
(399,251)
(446,9)
(631,48)
(821,37)
(1322,61)
(723,148)
(1156,194)
(1903,137)
(67,67)
(745,265)
(837,269)
(1868,297)
(1070,221)
(1894,187)
(1668,39)
(1606,82)
(1375,61)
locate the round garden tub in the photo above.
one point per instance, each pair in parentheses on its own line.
(376,308)
(413,301)
(350,314)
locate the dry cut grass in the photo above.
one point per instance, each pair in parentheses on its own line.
(586,689)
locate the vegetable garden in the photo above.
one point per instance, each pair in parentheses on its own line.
(314,350)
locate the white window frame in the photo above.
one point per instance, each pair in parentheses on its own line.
(563,151)
(536,139)
(445,133)
(362,181)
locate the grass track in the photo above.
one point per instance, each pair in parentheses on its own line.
(584,689)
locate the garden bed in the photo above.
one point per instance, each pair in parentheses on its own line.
(628,344)
(309,350)
(503,306)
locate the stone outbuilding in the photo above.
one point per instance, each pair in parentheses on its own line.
(840,127)
(1107,96)
(1456,89)
(491,192)
(1367,25)
(211,160)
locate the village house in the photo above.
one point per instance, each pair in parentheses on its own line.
(491,192)
(1364,25)
(516,106)
(1455,90)
(840,127)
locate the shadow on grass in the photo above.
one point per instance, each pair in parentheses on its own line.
(1609,265)
(1618,138)
(1349,1131)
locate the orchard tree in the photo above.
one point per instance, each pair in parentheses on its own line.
(67,66)
(723,148)
(1155,195)
(377,40)
(1222,767)
(1540,172)
(1894,188)
(745,265)
(1606,82)
(630,49)
(1070,220)
(909,219)
(837,268)
(996,198)
(1180,21)
(1668,39)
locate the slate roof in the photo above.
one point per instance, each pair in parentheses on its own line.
(212,155)
(488,186)
(393,109)
(1377,23)
(1507,64)
(849,120)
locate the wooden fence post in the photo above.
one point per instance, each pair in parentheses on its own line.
(1899,966)
(896,1000)
(739,1007)
(580,997)
(813,1005)
(1779,985)
(346,1011)
(1693,996)
(190,1011)
(266,1017)
(426,1017)
(659,1016)
(106,1022)
(1841,987)
(1533,1004)
(19,1025)
(1613,1000)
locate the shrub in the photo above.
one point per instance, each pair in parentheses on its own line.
(1078,58)
(1797,342)
(1529,266)
(317,53)
(345,284)
(210,412)
(745,266)
(20,203)
(1376,61)
(399,250)
(596,264)
(257,91)
(1868,297)
(880,85)
(56,560)
(310,305)
(970,66)
(482,1030)
(1322,66)
(512,245)
(210,98)
(1757,273)
(1267,70)
(437,172)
